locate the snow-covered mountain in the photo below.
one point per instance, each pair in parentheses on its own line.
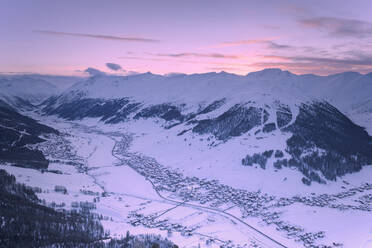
(62,82)
(271,118)
(24,91)
(347,91)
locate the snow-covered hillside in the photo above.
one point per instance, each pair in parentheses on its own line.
(23,91)
(271,118)
(347,91)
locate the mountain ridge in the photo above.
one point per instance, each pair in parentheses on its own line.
(221,107)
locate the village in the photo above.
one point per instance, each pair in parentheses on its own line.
(206,193)
(212,194)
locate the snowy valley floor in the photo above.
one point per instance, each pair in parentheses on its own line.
(101,169)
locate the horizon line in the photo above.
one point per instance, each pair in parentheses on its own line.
(175,73)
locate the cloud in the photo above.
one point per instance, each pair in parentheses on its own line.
(114,67)
(268,42)
(274,57)
(197,55)
(273,45)
(360,60)
(339,27)
(243,42)
(141,58)
(97,36)
(286,48)
(317,64)
(94,72)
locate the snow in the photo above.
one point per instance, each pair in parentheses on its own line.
(199,156)
(355,227)
(124,180)
(128,191)
(192,90)
(223,162)
(26,87)
(193,154)
(345,90)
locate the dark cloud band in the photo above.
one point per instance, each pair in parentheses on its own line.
(114,67)
(199,55)
(339,27)
(97,36)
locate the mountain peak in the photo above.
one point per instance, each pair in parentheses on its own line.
(348,74)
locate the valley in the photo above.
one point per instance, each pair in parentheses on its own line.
(237,164)
(98,169)
(186,124)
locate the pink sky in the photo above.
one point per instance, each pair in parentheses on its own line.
(66,37)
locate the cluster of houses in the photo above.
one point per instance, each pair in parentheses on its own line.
(363,203)
(213,194)
(57,147)
(152,221)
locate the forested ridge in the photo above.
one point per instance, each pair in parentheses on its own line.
(25,222)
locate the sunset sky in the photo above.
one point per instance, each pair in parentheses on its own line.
(66,37)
